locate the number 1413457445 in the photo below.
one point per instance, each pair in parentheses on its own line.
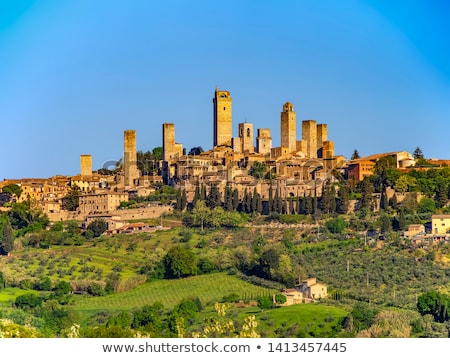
(311,347)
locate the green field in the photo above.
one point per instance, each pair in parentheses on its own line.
(208,288)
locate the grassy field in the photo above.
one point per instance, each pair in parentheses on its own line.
(304,320)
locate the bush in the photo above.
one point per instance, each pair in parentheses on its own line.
(337,225)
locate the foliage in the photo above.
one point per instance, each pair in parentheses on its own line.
(265,302)
(7,243)
(97,227)
(179,262)
(417,153)
(280,298)
(258,170)
(72,200)
(12,189)
(220,326)
(436,304)
(363,316)
(336,225)
(196,150)
(28,216)
(355,155)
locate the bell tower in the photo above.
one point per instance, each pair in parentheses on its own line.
(223,127)
(288,128)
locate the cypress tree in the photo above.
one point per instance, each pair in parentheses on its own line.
(228,198)
(259,205)
(393,202)
(196,194)
(7,244)
(270,204)
(402,220)
(235,199)
(343,199)
(254,206)
(203,192)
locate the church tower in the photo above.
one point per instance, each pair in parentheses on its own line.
(223,127)
(288,128)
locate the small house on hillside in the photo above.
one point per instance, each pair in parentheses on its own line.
(306,291)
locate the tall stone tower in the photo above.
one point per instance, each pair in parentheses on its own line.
(223,126)
(131,171)
(322,137)
(288,128)
(85,165)
(168,141)
(246,135)
(309,137)
(263,141)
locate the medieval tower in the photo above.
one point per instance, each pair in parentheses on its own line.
(171,149)
(322,137)
(263,141)
(288,128)
(131,171)
(85,165)
(309,138)
(246,135)
(223,126)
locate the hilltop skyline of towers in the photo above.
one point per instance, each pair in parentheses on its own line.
(313,143)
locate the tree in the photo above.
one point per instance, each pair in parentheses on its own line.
(385,223)
(265,302)
(355,155)
(435,303)
(72,200)
(214,198)
(196,151)
(7,244)
(418,153)
(200,213)
(28,214)
(280,298)
(426,205)
(258,170)
(343,199)
(328,199)
(98,227)
(12,189)
(179,262)
(336,225)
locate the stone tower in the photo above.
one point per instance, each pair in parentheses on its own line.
(288,128)
(322,137)
(246,135)
(131,172)
(85,165)
(263,141)
(168,141)
(309,137)
(223,127)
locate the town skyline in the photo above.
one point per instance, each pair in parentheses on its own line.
(73,79)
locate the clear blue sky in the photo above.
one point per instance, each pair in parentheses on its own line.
(75,74)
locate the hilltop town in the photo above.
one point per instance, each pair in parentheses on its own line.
(237,170)
(298,167)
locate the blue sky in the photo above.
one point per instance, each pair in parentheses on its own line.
(76,74)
